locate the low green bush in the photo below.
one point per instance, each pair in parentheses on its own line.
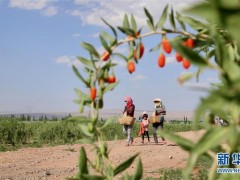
(12,132)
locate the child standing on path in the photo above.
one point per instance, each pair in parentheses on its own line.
(144,126)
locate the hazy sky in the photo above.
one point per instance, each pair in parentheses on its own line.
(40,39)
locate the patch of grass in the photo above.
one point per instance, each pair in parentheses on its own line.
(182,127)
(2,148)
(202,168)
(167,173)
(200,171)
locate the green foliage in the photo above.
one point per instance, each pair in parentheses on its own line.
(57,132)
(215,32)
(181,127)
(15,132)
(12,132)
(200,171)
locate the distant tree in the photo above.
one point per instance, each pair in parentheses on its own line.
(23,117)
(28,118)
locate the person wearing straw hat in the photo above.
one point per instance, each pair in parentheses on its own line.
(159,111)
(129,111)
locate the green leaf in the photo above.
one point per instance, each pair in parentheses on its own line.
(126,24)
(80,76)
(199,71)
(83,100)
(81,108)
(93,177)
(110,87)
(150,18)
(121,56)
(78,119)
(188,53)
(195,24)
(84,129)
(212,103)
(108,65)
(211,139)
(106,123)
(120,168)
(202,44)
(108,37)
(182,142)
(172,21)
(223,54)
(80,93)
(229,65)
(137,51)
(180,21)
(104,43)
(163,17)
(87,62)
(134,24)
(127,31)
(211,54)
(90,48)
(205,10)
(157,47)
(167,30)
(229,176)
(220,51)
(82,164)
(139,171)
(150,25)
(131,49)
(236,52)
(88,70)
(185,77)
(111,27)
(126,177)
(82,105)
(86,140)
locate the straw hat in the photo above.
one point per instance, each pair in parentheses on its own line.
(157,100)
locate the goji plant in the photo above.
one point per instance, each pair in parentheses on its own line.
(209,41)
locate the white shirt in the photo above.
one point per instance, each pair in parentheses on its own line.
(145,123)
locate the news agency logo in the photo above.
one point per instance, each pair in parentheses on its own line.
(223,160)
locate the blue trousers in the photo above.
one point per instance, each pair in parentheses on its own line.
(127,131)
(155,127)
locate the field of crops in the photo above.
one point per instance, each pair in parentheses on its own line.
(15,132)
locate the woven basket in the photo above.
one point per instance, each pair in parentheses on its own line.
(155,119)
(126,120)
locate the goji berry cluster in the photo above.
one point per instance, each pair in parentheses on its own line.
(137,54)
(168,49)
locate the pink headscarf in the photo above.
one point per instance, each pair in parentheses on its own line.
(129,101)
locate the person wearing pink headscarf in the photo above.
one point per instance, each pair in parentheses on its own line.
(129,110)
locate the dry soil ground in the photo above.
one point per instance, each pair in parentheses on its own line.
(58,162)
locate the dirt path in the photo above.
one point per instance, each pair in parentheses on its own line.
(54,163)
